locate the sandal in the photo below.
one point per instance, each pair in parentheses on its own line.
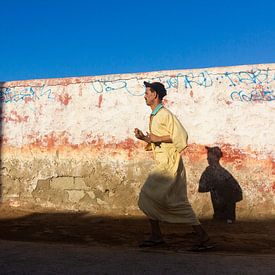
(151,243)
(203,246)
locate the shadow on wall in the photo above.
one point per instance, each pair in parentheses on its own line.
(2,91)
(224,189)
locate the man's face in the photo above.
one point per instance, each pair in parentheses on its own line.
(149,96)
(212,159)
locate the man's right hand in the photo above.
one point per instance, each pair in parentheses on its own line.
(139,134)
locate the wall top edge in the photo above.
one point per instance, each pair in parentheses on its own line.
(85,79)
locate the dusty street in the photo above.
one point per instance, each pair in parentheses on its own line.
(38,258)
(80,243)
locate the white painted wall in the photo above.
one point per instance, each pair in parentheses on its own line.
(232,107)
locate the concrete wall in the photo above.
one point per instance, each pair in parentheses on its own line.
(69,143)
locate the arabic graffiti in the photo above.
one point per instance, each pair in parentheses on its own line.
(253,77)
(205,79)
(10,95)
(254,95)
(134,85)
(130,87)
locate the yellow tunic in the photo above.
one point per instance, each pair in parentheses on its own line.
(163,196)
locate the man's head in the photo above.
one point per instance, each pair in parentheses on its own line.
(214,154)
(154,92)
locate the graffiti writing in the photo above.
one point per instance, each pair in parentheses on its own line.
(9,95)
(253,77)
(135,87)
(254,95)
(202,79)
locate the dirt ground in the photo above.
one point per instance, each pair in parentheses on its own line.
(83,228)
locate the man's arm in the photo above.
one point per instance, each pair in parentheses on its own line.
(157,139)
(177,132)
(151,138)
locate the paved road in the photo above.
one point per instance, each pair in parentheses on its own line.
(39,258)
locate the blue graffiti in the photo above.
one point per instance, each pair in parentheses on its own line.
(202,79)
(108,86)
(10,95)
(101,86)
(253,77)
(134,85)
(191,80)
(187,80)
(252,96)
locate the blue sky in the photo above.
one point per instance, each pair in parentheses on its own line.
(63,38)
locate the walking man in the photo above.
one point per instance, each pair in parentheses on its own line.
(163,196)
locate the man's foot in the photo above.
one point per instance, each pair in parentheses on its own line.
(202,247)
(203,238)
(203,244)
(152,242)
(191,235)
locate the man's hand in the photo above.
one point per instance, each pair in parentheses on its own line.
(139,134)
(151,138)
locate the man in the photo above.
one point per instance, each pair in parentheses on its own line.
(163,196)
(224,189)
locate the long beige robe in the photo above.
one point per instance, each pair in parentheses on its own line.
(163,196)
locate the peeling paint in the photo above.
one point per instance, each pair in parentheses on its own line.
(14,117)
(80,130)
(100,99)
(64,99)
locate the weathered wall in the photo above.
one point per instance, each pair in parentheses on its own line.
(69,143)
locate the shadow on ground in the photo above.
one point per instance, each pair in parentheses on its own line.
(83,228)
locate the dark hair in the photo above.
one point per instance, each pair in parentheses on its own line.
(216,151)
(158,88)
(160,96)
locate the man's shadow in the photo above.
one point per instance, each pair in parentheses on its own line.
(224,189)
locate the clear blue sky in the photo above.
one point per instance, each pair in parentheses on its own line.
(62,38)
